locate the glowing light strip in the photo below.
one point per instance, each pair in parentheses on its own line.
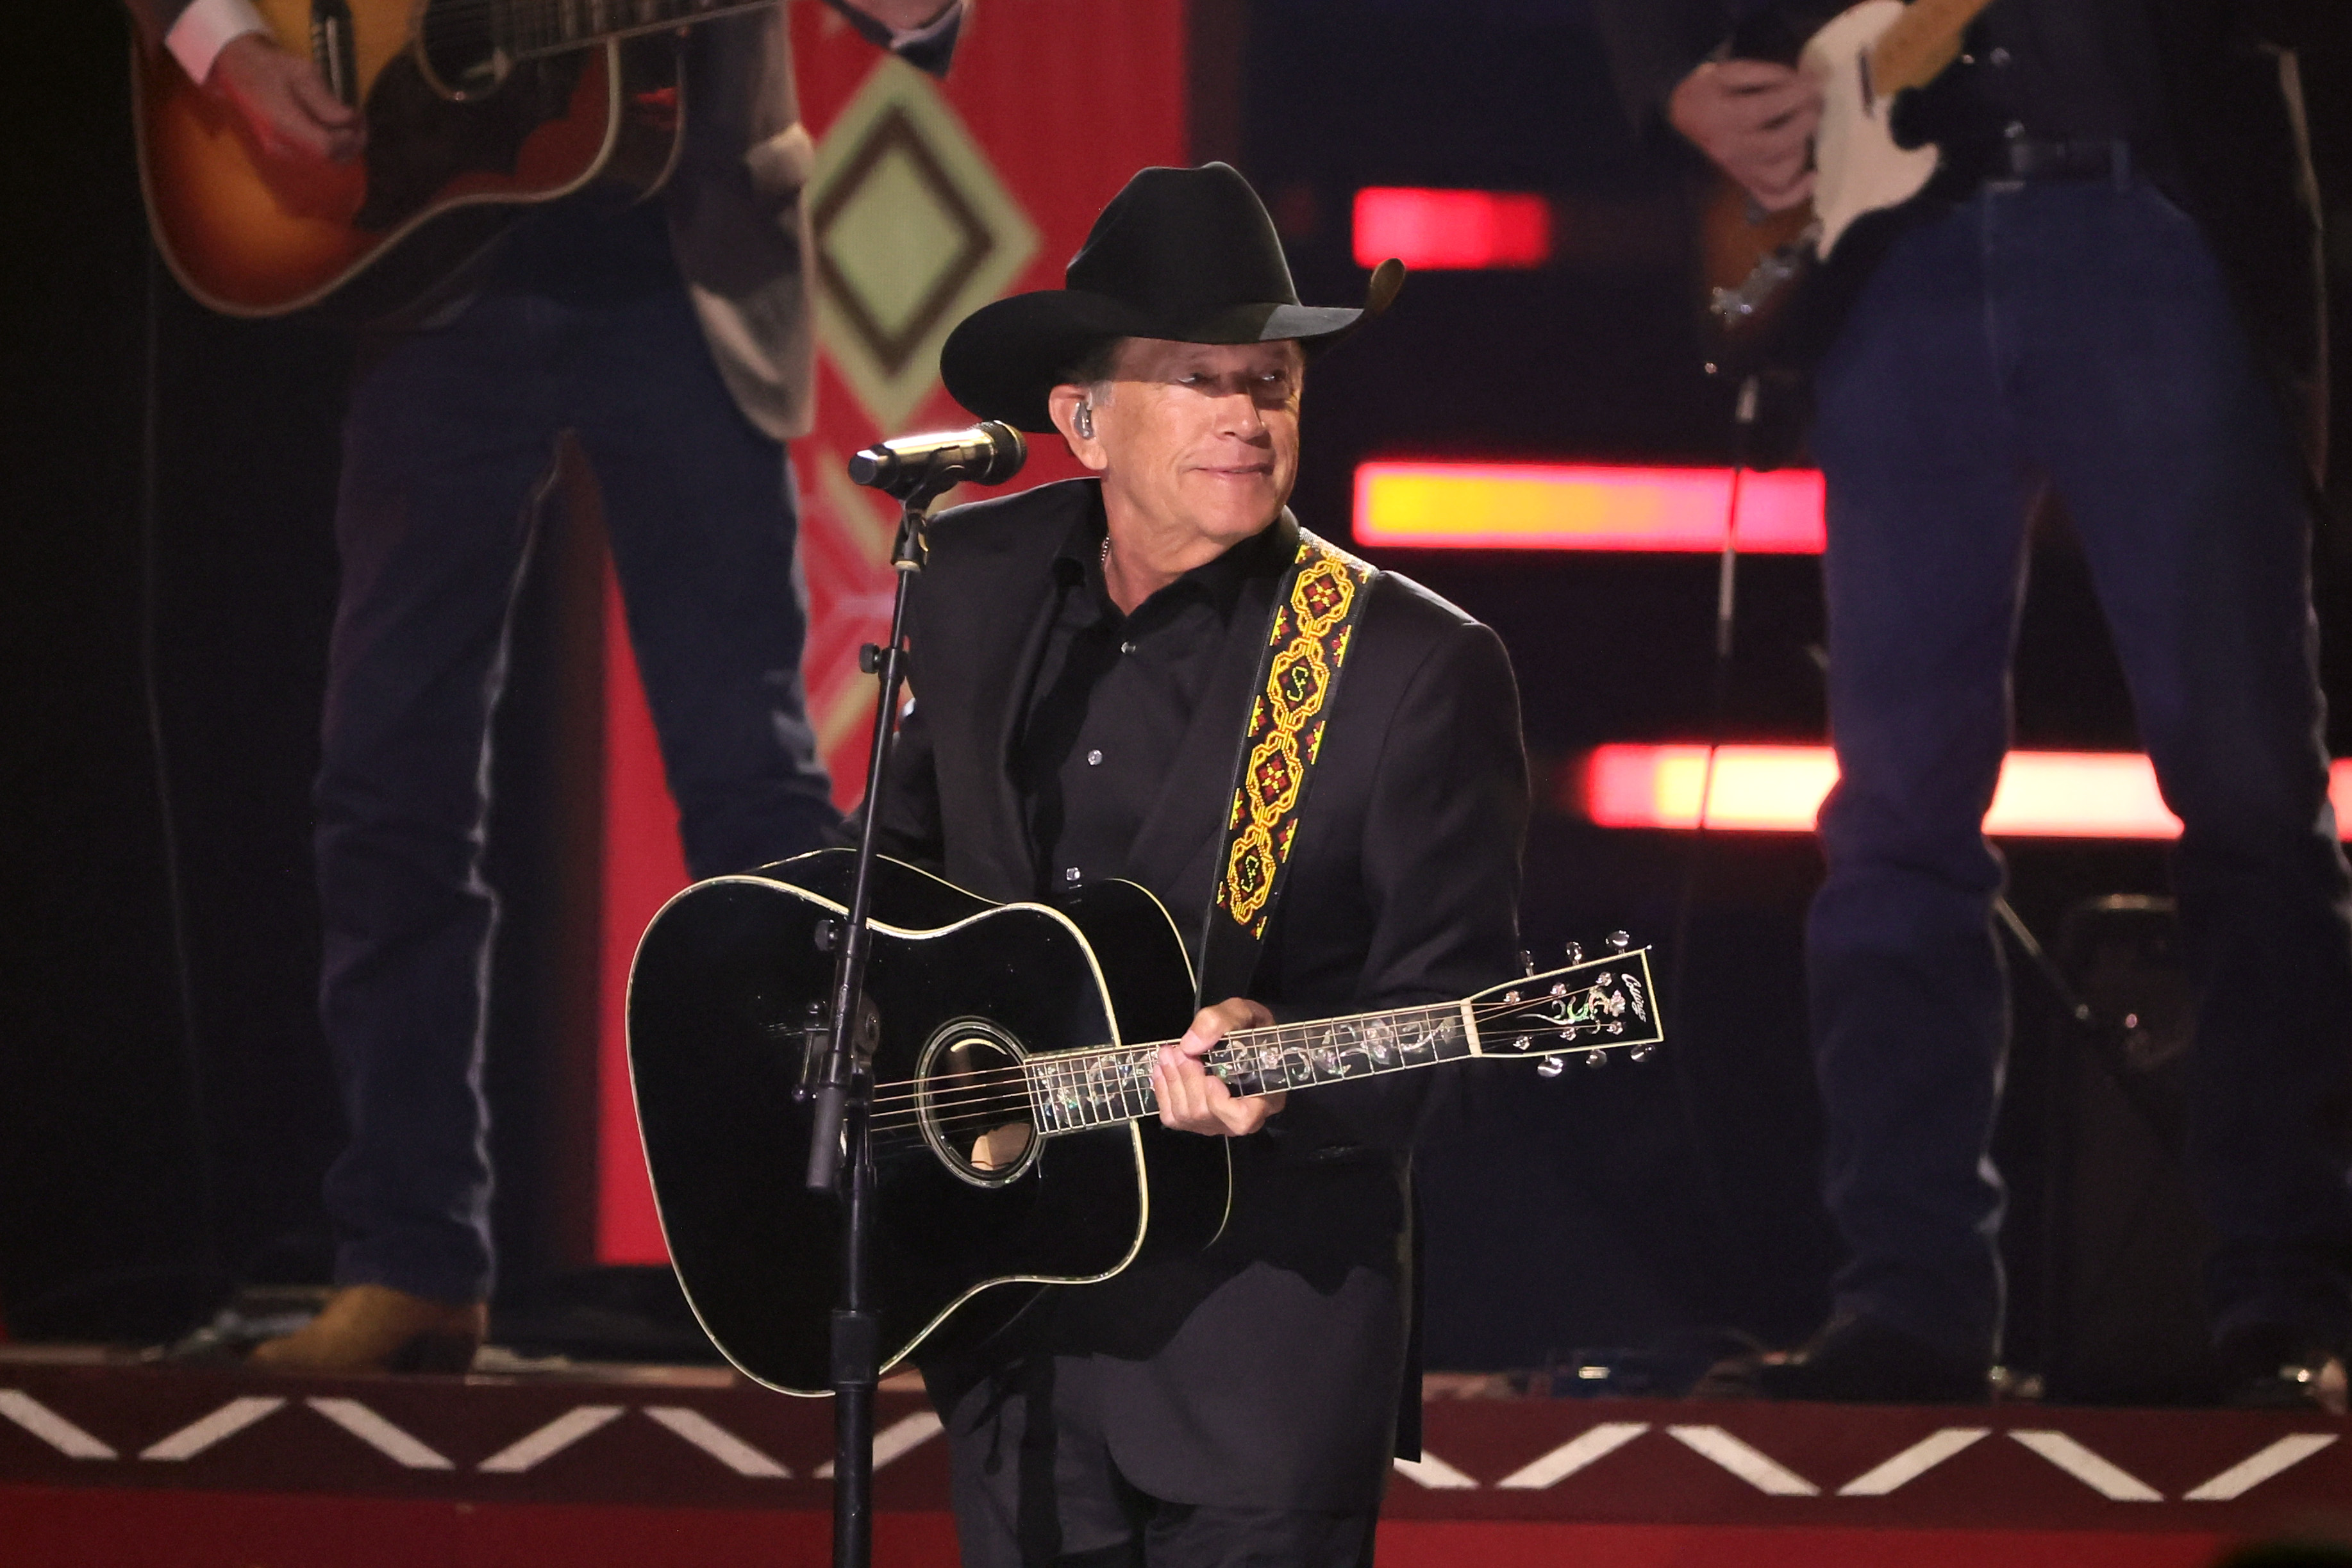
(1471,230)
(1778,789)
(1582,506)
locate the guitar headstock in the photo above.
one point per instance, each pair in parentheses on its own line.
(1589,1008)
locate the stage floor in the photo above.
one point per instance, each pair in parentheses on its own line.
(105,1461)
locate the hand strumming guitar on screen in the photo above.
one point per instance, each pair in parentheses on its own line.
(1756,121)
(285,103)
(294,118)
(1194,1099)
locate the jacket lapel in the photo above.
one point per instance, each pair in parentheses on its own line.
(1010,613)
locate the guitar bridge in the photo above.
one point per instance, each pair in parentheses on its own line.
(1773,272)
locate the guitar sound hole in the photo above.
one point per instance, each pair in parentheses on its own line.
(458,46)
(972,1100)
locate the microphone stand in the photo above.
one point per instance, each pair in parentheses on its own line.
(845,1079)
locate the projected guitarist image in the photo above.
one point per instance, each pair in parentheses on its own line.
(2106,290)
(1146,693)
(672,340)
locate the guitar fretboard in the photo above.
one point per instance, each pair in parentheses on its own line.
(1922,41)
(1077,1089)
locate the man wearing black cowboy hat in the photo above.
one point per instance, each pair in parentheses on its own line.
(1155,674)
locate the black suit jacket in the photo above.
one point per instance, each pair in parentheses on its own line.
(1267,1371)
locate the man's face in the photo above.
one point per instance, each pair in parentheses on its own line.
(1201,440)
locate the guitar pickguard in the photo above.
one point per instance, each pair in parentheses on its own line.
(420,142)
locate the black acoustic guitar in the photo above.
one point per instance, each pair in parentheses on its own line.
(1014,1133)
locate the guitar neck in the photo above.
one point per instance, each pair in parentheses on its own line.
(1921,42)
(527,29)
(1078,1089)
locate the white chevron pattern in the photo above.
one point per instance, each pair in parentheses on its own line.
(1573,1455)
(221,1425)
(558,1435)
(378,1434)
(51,1428)
(1766,1475)
(1715,1443)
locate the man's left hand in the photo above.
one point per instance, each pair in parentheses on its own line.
(1194,1099)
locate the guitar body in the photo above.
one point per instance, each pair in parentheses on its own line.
(445,166)
(719,996)
(1858,166)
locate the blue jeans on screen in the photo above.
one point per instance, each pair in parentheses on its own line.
(447,448)
(2078,335)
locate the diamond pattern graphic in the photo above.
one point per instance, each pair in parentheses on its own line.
(914,230)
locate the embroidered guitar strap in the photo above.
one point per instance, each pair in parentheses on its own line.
(1306,643)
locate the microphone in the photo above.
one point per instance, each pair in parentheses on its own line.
(987,454)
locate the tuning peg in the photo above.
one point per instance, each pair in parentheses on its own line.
(1644,1053)
(1526,961)
(1551,1067)
(1596,1058)
(1618,940)
(1576,953)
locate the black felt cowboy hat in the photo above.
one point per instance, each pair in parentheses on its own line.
(1187,255)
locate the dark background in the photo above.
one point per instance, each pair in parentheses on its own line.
(166,1103)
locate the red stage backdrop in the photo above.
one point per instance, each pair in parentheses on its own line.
(928,200)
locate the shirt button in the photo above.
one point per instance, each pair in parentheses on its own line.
(1069,874)
(1999,57)
(1094,759)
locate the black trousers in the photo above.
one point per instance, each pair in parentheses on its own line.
(1036,1482)
(2075,335)
(450,438)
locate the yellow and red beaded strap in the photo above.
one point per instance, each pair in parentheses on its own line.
(1308,643)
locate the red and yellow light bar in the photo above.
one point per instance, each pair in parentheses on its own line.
(1778,789)
(1584,506)
(1430,229)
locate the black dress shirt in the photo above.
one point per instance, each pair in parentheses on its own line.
(1112,699)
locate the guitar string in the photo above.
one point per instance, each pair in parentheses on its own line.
(1010,1112)
(616,13)
(1271,1034)
(1252,1042)
(534,27)
(1009,1106)
(996,1084)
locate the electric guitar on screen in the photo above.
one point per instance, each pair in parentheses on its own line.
(1014,1133)
(473,110)
(1755,263)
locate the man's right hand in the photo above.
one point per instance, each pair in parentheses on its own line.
(1756,121)
(285,103)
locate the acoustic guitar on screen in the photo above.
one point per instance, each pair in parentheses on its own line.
(1755,262)
(473,110)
